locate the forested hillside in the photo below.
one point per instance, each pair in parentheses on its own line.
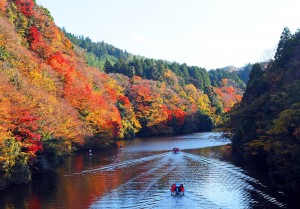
(266,124)
(223,88)
(97,53)
(53,102)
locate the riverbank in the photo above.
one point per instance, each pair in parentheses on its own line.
(24,170)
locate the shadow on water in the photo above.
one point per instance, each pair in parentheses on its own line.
(31,195)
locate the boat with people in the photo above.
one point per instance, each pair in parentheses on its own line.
(177,190)
(175,150)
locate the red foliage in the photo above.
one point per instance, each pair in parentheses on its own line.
(226,109)
(57,61)
(25,132)
(141,93)
(176,115)
(26,6)
(112,93)
(228,95)
(77,96)
(229,90)
(124,101)
(57,58)
(62,65)
(37,43)
(34,34)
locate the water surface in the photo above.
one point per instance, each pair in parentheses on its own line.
(140,175)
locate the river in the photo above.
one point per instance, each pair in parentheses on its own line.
(140,175)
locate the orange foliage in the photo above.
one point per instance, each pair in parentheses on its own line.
(103,118)
(141,93)
(228,95)
(5,109)
(224,82)
(177,115)
(16,121)
(2,5)
(62,65)
(124,100)
(229,90)
(147,103)
(171,78)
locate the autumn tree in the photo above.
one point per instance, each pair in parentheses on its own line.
(2,5)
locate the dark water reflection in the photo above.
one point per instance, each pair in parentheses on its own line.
(140,174)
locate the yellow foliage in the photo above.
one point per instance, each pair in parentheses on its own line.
(171,78)
(9,151)
(204,105)
(68,44)
(96,119)
(42,80)
(190,89)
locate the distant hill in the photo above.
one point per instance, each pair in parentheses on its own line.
(230,68)
(240,75)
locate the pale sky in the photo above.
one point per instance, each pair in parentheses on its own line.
(205,33)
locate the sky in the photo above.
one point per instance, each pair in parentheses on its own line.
(205,33)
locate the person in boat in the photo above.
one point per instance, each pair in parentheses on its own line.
(173,188)
(181,188)
(175,150)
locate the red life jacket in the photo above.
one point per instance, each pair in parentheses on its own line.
(173,188)
(181,188)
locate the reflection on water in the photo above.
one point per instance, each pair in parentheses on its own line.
(140,175)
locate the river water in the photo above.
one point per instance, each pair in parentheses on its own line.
(140,175)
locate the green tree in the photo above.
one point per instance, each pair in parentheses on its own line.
(283,44)
(108,68)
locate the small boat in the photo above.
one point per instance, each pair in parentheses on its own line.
(177,190)
(175,150)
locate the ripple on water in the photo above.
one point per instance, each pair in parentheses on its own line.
(210,183)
